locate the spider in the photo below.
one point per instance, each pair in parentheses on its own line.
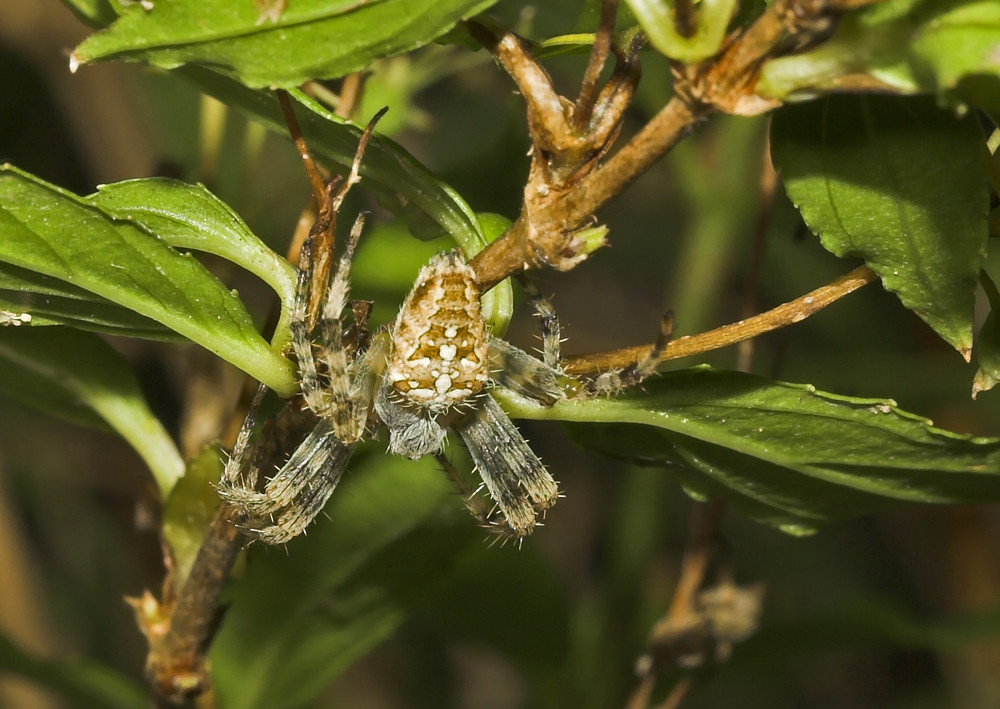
(428,372)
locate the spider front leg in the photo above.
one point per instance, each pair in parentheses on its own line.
(613,382)
(542,380)
(336,388)
(548,323)
(346,404)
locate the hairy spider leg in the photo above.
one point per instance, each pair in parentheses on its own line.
(480,509)
(611,383)
(516,370)
(301,488)
(347,412)
(551,330)
(297,491)
(234,478)
(302,344)
(514,476)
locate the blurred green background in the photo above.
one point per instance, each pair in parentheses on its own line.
(895,610)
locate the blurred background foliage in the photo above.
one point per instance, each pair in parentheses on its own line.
(895,610)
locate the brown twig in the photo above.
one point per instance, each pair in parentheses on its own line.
(316,179)
(703,525)
(542,235)
(679,626)
(598,57)
(785,314)
(175,665)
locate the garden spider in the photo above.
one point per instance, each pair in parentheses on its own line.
(429,372)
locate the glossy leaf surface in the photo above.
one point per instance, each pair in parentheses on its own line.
(52,232)
(900,183)
(303,40)
(785,454)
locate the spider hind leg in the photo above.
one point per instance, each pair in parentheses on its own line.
(513,475)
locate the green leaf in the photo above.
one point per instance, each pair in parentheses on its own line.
(82,682)
(657,20)
(900,183)
(785,454)
(400,180)
(911,46)
(298,619)
(52,232)
(75,375)
(189,510)
(50,301)
(311,39)
(190,217)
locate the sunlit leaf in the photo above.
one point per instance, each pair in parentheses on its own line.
(188,216)
(307,39)
(52,232)
(784,453)
(900,183)
(77,376)
(911,46)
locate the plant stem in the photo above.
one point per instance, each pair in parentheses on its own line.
(785,314)
(598,56)
(542,233)
(176,664)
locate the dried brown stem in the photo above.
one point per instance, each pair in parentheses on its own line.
(702,528)
(542,234)
(176,664)
(786,314)
(598,57)
(316,180)
(527,245)
(703,525)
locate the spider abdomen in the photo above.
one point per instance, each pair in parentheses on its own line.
(439,343)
